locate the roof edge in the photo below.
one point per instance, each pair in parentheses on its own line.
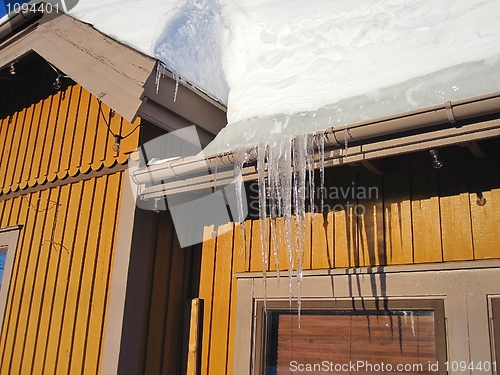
(335,137)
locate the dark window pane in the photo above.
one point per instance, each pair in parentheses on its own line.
(327,340)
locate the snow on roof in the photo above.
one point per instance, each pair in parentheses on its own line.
(276,62)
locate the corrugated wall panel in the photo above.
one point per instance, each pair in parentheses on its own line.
(56,134)
(419,215)
(56,309)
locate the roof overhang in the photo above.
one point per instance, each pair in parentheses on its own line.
(120,76)
(452,123)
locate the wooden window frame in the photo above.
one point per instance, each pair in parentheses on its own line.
(357,304)
(494,302)
(9,237)
(463,287)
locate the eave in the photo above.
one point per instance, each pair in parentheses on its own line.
(451,123)
(123,78)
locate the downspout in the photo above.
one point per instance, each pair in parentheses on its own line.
(449,112)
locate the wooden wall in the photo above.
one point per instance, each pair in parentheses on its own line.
(57,303)
(171,280)
(56,309)
(48,135)
(421,215)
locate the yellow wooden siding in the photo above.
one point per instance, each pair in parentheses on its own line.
(62,134)
(56,308)
(421,215)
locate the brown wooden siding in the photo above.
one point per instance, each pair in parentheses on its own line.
(46,135)
(56,309)
(421,215)
(163,277)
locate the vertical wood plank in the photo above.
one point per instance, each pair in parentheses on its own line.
(86,275)
(70,129)
(221,302)
(71,222)
(485,181)
(40,207)
(159,301)
(104,272)
(102,137)
(398,221)
(369,212)
(454,203)
(71,298)
(44,248)
(345,221)
(15,150)
(48,143)
(60,134)
(238,266)
(15,293)
(90,134)
(28,129)
(79,135)
(206,293)
(41,137)
(323,252)
(54,250)
(425,214)
(173,329)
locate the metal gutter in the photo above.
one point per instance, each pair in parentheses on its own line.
(448,112)
(17,22)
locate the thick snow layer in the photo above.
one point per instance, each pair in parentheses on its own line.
(185,34)
(304,66)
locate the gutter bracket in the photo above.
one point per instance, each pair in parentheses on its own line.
(449,112)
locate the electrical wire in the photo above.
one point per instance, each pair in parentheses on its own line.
(57,70)
(109,128)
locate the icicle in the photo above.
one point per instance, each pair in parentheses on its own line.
(274,200)
(310,170)
(215,172)
(346,139)
(300,156)
(158,76)
(241,157)
(176,87)
(320,141)
(261,162)
(284,190)
(412,323)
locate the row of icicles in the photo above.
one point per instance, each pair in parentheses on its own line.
(284,167)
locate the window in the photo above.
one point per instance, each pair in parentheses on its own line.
(495,309)
(8,245)
(361,337)
(371,309)
(3,258)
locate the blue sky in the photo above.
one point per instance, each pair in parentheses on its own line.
(3,5)
(3,11)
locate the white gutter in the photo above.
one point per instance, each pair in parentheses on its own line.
(449,112)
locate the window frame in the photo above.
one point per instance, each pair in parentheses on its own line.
(494,304)
(463,286)
(355,304)
(8,236)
